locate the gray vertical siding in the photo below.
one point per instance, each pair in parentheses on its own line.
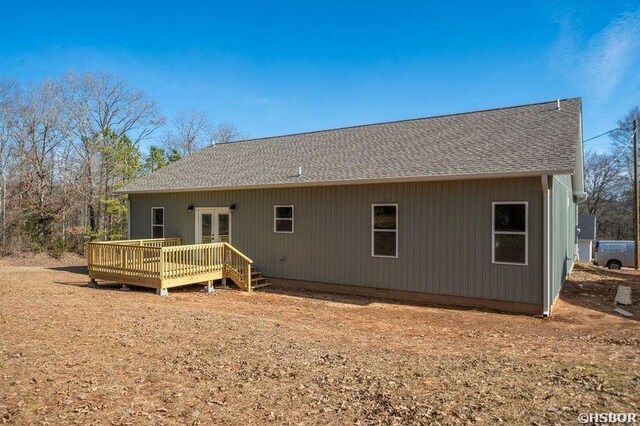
(444,240)
(563,233)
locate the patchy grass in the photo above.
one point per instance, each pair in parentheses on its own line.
(69,353)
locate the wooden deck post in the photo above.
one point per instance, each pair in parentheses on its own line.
(161,265)
(224,266)
(248,277)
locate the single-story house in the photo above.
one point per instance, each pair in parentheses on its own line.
(586,236)
(472,209)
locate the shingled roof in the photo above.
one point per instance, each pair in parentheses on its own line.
(522,140)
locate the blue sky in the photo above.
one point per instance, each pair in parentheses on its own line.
(277,67)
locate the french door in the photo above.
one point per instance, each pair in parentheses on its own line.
(213,225)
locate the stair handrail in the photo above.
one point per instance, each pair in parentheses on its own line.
(242,275)
(238,252)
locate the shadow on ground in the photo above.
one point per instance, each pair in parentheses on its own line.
(366,300)
(300,293)
(589,287)
(78,269)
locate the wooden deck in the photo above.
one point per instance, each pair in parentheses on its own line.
(163,263)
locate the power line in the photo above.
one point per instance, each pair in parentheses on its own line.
(600,135)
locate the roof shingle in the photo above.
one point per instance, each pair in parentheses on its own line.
(521,140)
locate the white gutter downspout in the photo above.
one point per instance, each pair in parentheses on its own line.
(546,249)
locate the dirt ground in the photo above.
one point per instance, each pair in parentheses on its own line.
(41,259)
(72,354)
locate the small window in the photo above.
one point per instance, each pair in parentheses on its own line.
(157,222)
(510,233)
(283,219)
(384,230)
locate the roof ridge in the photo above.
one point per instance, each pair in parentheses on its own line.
(394,121)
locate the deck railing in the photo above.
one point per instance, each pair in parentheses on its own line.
(192,260)
(163,262)
(149,242)
(123,259)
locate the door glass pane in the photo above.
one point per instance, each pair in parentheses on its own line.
(158,216)
(223,227)
(205,227)
(510,248)
(158,231)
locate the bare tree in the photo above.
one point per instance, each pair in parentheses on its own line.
(611,179)
(622,139)
(608,186)
(603,181)
(8,98)
(226,132)
(190,131)
(67,143)
(37,140)
(103,108)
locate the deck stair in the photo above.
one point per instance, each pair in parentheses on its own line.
(258,281)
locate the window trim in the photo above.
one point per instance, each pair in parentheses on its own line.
(276,218)
(525,233)
(152,224)
(373,230)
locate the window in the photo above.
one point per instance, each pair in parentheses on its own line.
(283,219)
(384,230)
(613,247)
(157,222)
(510,230)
